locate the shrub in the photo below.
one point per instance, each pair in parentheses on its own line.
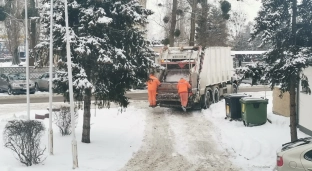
(23,138)
(62,119)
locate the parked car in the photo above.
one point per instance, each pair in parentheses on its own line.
(295,156)
(16,84)
(42,83)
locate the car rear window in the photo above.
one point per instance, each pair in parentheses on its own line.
(308,155)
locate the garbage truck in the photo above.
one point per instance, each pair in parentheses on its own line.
(209,71)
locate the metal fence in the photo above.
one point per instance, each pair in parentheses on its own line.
(34,73)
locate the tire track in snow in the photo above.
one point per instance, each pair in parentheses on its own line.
(194,141)
(178,141)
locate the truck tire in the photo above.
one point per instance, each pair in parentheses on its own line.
(206,99)
(216,95)
(234,88)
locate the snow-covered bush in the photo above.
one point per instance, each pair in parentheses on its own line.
(62,119)
(23,138)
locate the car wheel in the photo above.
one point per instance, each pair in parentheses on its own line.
(10,91)
(37,87)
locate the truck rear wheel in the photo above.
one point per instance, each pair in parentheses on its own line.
(216,95)
(206,99)
(234,88)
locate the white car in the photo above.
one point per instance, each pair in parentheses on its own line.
(295,156)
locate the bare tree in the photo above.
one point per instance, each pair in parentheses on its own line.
(34,30)
(14,26)
(193,4)
(237,23)
(211,28)
(173,22)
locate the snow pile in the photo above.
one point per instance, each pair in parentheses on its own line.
(252,148)
(115,137)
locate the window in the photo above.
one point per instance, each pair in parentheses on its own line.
(308,155)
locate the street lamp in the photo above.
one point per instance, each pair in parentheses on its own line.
(71,96)
(50,81)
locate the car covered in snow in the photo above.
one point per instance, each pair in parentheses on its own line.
(295,156)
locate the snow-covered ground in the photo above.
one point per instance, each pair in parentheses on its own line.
(133,138)
(9,64)
(115,137)
(252,148)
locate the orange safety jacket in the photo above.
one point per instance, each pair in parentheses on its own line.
(152,83)
(183,86)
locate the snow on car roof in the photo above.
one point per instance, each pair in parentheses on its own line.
(299,142)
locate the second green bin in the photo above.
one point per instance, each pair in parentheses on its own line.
(254,110)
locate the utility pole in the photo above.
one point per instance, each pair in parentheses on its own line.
(27,60)
(50,80)
(71,95)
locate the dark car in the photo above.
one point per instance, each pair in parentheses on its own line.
(16,84)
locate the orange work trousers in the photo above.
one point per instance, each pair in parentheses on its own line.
(152,97)
(183,98)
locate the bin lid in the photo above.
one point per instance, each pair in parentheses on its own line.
(253,100)
(237,95)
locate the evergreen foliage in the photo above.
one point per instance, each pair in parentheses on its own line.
(108,50)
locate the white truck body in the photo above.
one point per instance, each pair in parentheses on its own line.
(217,67)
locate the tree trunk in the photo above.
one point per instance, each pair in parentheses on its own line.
(15,57)
(173,22)
(33,34)
(193,19)
(293,115)
(86,116)
(292,91)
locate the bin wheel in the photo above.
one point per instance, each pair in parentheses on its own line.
(246,123)
(216,95)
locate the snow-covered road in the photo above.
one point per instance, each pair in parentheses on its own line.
(175,140)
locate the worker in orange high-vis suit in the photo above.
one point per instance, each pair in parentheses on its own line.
(183,87)
(152,85)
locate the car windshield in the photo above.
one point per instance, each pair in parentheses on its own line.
(17,77)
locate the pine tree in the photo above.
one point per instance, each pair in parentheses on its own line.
(108,50)
(291,47)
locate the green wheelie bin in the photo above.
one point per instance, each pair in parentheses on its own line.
(254,110)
